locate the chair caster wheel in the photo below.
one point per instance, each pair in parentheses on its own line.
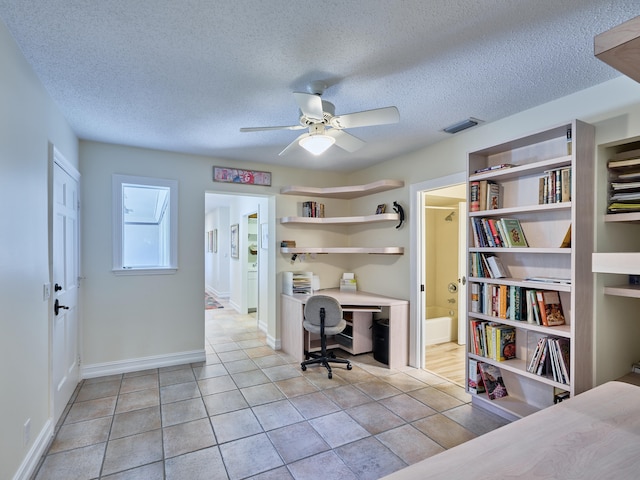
(349,367)
(332,355)
(303,367)
(330,375)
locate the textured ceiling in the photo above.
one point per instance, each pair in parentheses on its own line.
(186,75)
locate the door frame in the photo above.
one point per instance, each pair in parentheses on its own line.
(56,158)
(417,299)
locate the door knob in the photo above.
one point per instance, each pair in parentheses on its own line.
(57,307)
(57,288)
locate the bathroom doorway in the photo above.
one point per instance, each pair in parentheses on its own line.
(438,238)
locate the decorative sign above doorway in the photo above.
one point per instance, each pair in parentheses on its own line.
(247,177)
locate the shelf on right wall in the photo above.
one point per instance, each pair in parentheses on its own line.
(544,188)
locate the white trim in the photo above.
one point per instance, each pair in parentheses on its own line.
(37,450)
(144,363)
(416,260)
(273,342)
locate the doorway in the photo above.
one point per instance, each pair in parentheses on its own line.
(440,299)
(236,263)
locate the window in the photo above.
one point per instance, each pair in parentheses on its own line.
(145,221)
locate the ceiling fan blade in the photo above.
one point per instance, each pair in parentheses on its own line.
(345,140)
(310,105)
(378,116)
(293,145)
(260,129)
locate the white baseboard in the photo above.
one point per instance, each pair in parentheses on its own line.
(39,448)
(216,293)
(144,363)
(274,342)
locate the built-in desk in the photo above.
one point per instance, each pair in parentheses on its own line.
(357,303)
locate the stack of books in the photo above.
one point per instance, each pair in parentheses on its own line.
(624,183)
(313,209)
(498,232)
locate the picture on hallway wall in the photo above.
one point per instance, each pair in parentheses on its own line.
(234,240)
(215,240)
(247,177)
(210,241)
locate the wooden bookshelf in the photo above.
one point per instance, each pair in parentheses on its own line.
(544,226)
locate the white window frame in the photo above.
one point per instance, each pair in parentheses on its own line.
(117,182)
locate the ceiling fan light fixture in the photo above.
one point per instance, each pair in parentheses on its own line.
(317,144)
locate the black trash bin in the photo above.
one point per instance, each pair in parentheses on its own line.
(381,340)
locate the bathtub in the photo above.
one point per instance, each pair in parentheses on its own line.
(440,325)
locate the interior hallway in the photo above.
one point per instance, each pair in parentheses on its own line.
(249,412)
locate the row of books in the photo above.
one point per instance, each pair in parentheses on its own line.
(313,209)
(551,357)
(514,302)
(487,265)
(484,195)
(498,232)
(484,377)
(555,186)
(493,340)
(624,185)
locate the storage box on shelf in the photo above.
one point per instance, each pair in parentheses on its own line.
(297,283)
(545,194)
(346,193)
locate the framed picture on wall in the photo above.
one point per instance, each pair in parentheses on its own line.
(234,240)
(215,240)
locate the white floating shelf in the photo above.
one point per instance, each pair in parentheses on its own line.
(348,192)
(620,262)
(632,291)
(382,217)
(350,250)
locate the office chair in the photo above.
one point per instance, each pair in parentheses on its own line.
(323,316)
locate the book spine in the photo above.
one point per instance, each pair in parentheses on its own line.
(474,197)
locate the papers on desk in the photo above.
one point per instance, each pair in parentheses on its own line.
(348,283)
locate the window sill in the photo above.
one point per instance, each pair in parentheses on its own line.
(145,271)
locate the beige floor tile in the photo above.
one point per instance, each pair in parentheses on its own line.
(179,375)
(378,389)
(250,378)
(81,434)
(434,398)
(260,394)
(374,417)
(338,429)
(209,386)
(258,448)
(143,382)
(81,411)
(330,464)
(136,421)
(297,441)
(205,464)
(187,437)
(133,451)
(369,458)
(137,400)
(179,391)
(277,414)
(295,387)
(407,407)
(234,425)
(224,402)
(409,444)
(443,430)
(92,391)
(153,471)
(347,396)
(78,464)
(183,411)
(314,405)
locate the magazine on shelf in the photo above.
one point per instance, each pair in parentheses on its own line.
(493,382)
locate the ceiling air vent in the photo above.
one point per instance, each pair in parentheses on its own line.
(463,125)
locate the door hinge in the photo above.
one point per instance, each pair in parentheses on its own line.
(422,288)
(78,360)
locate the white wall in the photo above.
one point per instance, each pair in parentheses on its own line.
(217,263)
(29,121)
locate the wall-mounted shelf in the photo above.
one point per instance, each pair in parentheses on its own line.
(620,48)
(627,263)
(382,217)
(350,250)
(347,192)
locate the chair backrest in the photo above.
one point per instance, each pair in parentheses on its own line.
(332,310)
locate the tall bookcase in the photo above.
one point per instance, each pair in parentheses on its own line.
(545,225)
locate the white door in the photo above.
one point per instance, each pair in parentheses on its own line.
(64,331)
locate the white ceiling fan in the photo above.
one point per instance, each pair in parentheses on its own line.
(326,128)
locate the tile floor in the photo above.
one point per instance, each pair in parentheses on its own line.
(249,412)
